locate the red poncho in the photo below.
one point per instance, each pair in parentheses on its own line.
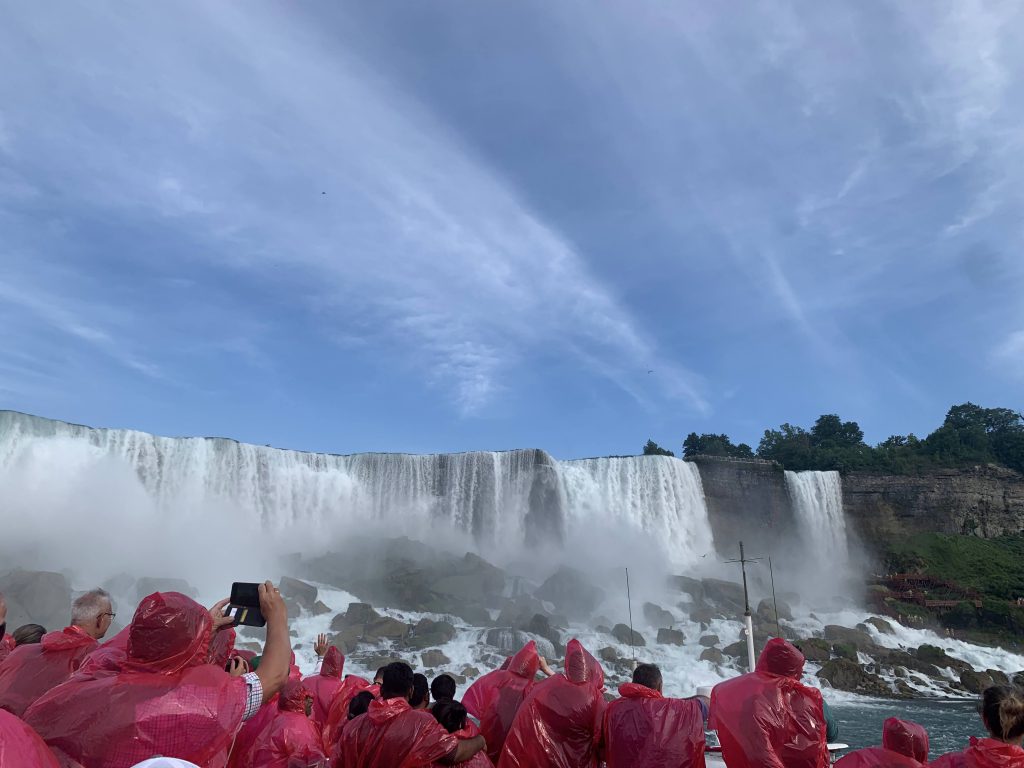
(767,718)
(395,735)
(6,646)
(480,759)
(161,699)
(904,745)
(222,647)
(645,730)
(291,739)
(337,714)
(559,723)
(325,685)
(983,753)
(21,747)
(495,698)
(252,729)
(32,670)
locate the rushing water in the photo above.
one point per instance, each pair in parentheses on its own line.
(950,723)
(818,504)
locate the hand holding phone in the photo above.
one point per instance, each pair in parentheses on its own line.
(244,605)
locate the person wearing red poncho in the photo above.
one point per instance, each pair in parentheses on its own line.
(245,742)
(904,745)
(452,715)
(393,734)
(292,739)
(337,714)
(495,698)
(767,718)
(161,698)
(643,729)
(21,747)
(325,684)
(32,670)
(1002,712)
(559,723)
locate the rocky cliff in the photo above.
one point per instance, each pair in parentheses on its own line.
(981,501)
(746,500)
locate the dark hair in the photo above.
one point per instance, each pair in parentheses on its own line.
(648,675)
(379,674)
(450,714)
(420,690)
(396,680)
(1002,708)
(443,688)
(359,704)
(27,634)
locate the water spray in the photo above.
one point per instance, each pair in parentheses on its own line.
(629,604)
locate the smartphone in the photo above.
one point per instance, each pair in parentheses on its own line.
(245,605)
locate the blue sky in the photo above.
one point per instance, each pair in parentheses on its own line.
(438,226)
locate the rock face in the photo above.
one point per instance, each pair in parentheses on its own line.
(847,675)
(671,637)
(572,593)
(621,632)
(302,593)
(37,597)
(746,500)
(983,501)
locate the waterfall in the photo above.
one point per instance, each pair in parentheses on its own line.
(659,495)
(818,505)
(512,498)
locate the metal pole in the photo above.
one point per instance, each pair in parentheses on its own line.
(629,603)
(775,602)
(747,617)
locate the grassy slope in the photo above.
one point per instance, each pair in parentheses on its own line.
(995,567)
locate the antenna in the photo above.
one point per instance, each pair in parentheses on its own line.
(629,603)
(747,616)
(778,629)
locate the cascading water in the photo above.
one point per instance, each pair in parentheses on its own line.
(509,498)
(818,505)
(658,495)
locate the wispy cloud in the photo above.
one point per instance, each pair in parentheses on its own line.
(1009,354)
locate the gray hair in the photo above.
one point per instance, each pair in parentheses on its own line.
(89,606)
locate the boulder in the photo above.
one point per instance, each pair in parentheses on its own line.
(147,585)
(692,587)
(604,629)
(998,678)
(671,637)
(541,625)
(657,616)
(347,639)
(709,641)
(385,628)
(728,594)
(931,654)
(737,650)
(976,682)
(713,655)
(320,608)
(302,593)
(572,592)
(624,635)
(845,651)
(38,597)
(509,641)
(767,607)
(705,616)
(815,649)
(470,672)
(357,614)
(434,658)
(858,637)
(881,625)
(472,614)
(849,676)
(518,611)
(608,654)
(428,633)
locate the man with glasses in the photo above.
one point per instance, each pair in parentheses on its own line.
(32,670)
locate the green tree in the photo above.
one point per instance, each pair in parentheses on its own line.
(714,445)
(653,449)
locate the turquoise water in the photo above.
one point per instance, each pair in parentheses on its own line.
(950,723)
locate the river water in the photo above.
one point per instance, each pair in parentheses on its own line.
(949,723)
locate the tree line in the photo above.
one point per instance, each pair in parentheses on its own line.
(970,435)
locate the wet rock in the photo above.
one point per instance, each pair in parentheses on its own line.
(849,676)
(518,611)
(385,628)
(474,615)
(428,633)
(470,672)
(767,607)
(572,593)
(725,593)
(357,614)
(624,635)
(904,690)
(737,650)
(713,655)
(858,637)
(881,625)
(692,587)
(38,597)
(671,637)
(709,640)
(705,616)
(434,658)
(845,651)
(815,649)
(998,678)
(301,592)
(541,625)
(320,608)
(603,629)
(931,654)
(657,616)
(975,682)
(608,654)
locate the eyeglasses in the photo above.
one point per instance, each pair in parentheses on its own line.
(111,615)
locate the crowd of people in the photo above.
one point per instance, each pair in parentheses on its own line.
(172,690)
